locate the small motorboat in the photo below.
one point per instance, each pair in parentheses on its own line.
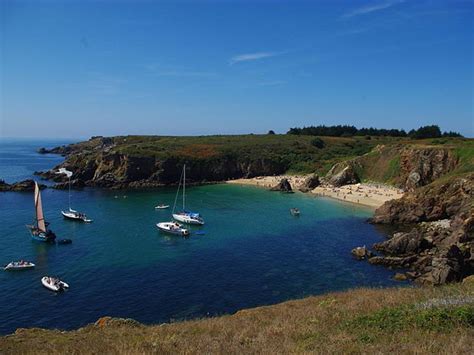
(75,215)
(295,211)
(162,207)
(54,284)
(172,228)
(19,265)
(64,241)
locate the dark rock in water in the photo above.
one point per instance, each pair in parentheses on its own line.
(393,261)
(403,243)
(25,185)
(76,183)
(63,150)
(64,241)
(342,174)
(362,253)
(400,277)
(310,183)
(284,186)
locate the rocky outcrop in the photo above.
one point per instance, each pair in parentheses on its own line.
(342,174)
(25,185)
(362,253)
(283,186)
(421,166)
(116,322)
(311,182)
(75,183)
(442,200)
(440,247)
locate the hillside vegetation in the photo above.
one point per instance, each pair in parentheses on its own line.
(138,161)
(401,320)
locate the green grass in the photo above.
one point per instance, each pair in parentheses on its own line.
(393,169)
(410,316)
(295,154)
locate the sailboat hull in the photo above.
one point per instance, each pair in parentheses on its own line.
(75,216)
(188,219)
(45,237)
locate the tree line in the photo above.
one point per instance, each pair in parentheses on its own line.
(432,131)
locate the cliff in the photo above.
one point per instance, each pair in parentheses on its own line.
(136,161)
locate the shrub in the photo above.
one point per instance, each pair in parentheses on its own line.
(318,143)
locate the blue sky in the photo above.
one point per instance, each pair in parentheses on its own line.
(82,68)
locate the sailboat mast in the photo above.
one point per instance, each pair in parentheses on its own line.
(184,186)
(69,197)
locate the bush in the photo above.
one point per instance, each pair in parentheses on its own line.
(318,143)
(271,132)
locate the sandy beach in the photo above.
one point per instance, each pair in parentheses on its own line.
(367,194)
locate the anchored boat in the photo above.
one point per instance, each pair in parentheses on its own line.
(295,211)
(172,228)
(186,216)
(39,230)
(19,265)
(70,213)
(75,215)
(54,284)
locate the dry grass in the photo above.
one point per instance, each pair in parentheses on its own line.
(323,324)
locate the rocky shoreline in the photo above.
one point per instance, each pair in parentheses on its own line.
(440,247)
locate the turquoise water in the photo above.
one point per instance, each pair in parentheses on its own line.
(251,252)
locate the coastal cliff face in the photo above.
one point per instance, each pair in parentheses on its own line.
(120,162)
(421,166)
(406,166)
(115,170)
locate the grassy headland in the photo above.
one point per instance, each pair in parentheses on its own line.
(402,320)
(124,160)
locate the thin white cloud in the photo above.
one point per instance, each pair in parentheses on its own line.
(189,74)
(177,71)
(272,83)
(251,57)
(371,8)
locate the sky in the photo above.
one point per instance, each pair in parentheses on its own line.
(83,68)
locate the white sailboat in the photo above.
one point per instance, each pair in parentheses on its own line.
(70,213)
(185,216)
(39,230)
(172,228)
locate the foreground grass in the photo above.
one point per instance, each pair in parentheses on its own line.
(402,320)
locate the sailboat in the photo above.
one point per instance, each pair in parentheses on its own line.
(184,215)
(39,230)
(70,213)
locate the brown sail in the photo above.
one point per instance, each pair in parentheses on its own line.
(39,210)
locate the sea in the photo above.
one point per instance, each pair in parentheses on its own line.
(251,251)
